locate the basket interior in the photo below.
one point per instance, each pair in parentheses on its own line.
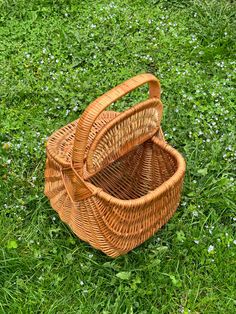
(137,173)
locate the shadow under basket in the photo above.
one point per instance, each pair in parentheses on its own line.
(114,203)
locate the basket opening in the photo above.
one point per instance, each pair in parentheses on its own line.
(137,173)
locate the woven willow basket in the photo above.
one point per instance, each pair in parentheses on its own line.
(111,176)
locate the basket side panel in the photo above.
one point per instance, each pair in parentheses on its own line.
(116,230)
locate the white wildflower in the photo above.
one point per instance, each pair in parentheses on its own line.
(211,248)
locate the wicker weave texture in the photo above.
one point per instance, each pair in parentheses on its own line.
(119,182)
(129,129)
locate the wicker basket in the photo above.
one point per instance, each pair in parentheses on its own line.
(111,176)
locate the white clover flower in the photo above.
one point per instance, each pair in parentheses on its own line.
(196,241)
(211,248)
(81,283)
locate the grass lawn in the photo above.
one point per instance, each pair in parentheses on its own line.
(58,56)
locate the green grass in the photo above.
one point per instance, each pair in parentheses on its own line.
(56,57)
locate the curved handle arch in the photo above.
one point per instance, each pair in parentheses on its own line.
(91,113)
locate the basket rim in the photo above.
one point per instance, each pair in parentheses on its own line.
(158,192)
(136,202)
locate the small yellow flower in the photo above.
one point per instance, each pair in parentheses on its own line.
(6,146)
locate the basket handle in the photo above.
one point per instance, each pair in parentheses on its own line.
(91,113)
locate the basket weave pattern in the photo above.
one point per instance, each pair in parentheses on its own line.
(111,176)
